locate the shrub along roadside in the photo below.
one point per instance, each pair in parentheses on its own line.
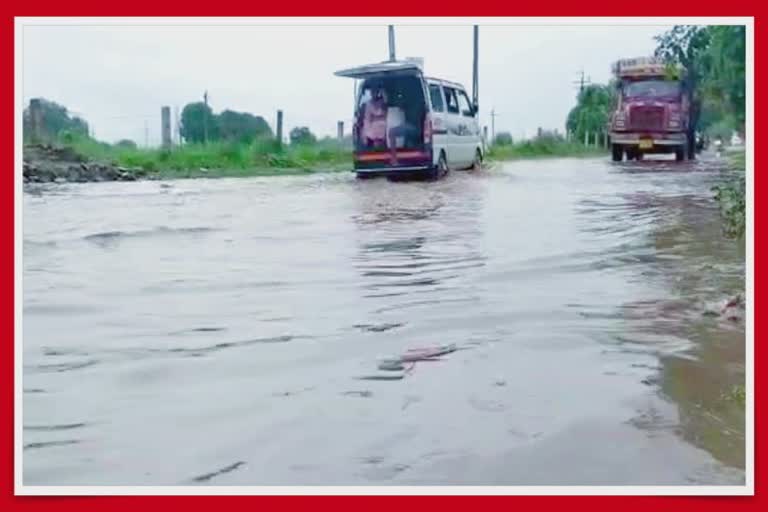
(731,197)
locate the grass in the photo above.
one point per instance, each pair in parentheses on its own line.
(731,195)
(265,158)
(541,148)
(260,158)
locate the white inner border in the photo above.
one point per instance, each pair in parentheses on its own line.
(21,489)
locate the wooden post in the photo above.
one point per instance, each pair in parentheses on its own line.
(36,120)
(165,126)
(279,131)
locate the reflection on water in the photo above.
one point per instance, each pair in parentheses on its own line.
(230,331)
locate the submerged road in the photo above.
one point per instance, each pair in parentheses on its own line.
(228,331)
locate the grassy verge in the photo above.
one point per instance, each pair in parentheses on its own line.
(541,148)
(260,158)
(731,196)
(264,158)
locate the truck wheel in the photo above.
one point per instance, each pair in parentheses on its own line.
(680,153)
(691,146)
(617,152)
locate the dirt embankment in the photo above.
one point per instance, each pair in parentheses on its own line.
(46,163)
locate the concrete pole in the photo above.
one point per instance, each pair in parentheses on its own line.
(340,130)
(165,126)
(586,138)
(36,120)
(485,133)
(205,118)
(391,42)
(279,131)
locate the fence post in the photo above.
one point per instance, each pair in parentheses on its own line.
(36,119)
(165,126)
(279,128)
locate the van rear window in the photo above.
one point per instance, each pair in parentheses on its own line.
(436,95)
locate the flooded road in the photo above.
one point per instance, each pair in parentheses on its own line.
(228,332)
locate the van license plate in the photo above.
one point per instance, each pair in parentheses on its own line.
(646,144)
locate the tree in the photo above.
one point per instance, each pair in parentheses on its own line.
(242,126)
(592,111)
(125,144)
(56,119)
(194,118)
(301,135)
(714,59)
(503,139)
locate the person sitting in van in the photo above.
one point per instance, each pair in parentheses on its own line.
(399,130)
(375,119)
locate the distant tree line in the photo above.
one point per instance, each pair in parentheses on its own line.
(200,124)
(56,119)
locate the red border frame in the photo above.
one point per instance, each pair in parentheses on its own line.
(339,7)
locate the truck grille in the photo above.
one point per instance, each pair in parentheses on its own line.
(646,118)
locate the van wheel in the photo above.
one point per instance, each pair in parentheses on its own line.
(617,152)
(441,169)
(477,163)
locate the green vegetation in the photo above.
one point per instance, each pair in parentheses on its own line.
(544,145)
(731,196)
(199,124)
(593,108)
(714,59)
(223,158)
(56,119)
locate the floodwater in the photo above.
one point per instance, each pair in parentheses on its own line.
(228,332)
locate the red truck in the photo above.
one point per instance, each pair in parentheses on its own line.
(652,113)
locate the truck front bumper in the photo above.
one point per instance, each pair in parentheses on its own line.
(657,139)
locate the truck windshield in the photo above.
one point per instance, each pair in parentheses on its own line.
(652,89)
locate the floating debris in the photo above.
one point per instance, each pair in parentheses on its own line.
(224,470)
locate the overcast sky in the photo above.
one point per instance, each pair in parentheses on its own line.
(118,77)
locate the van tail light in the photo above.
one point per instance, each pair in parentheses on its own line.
(428,129)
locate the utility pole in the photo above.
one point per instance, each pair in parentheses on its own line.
(146,133)
(582,81)
(475,70)
(391,42)
(205,118)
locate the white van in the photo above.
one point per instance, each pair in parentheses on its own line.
(409,124)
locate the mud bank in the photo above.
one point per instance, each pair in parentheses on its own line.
(46,164)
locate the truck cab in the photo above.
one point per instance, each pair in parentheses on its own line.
(652,110)
(408,124)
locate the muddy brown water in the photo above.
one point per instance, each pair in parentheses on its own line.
(221,332)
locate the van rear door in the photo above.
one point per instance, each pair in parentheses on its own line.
(370,70)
